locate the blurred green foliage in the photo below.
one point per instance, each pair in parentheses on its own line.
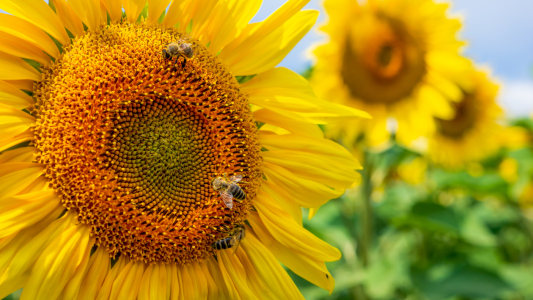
(454,235)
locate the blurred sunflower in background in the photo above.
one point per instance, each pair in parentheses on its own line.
(474,132)
(110,149)
(391,58)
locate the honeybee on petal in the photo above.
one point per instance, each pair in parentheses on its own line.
(228,189)
(177,49)
(234,238)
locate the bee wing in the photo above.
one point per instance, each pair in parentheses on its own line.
(235,246)
(227,197)
(236,178)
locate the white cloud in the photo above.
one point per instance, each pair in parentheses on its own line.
(516,97)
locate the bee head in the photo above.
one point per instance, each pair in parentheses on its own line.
(218,183)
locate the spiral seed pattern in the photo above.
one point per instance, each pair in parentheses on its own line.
(131,141)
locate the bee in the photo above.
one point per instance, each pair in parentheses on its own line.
(177,49)
(228,189)
(232,240)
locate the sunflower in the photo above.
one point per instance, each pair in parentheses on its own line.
(394,59)
(110,150)
(473,133)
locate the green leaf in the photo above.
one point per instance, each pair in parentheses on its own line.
(461,281)
(431,216)
(487,184)
(474,231)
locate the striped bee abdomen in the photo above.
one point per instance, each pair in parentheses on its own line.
(237,192)
(224,243)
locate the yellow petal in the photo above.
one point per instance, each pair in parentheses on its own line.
(270,50)
(13,122)
(18,47)
(159,283)
(200,280)
(144,289)
(226,288)
(88,11)
(318,146)
(155,9)
(287,93)
(18,68)
(433,101)
(452,66)
(227,21)
(126,286)
(310,269)
(268,269)
(154,283)
(306,165)
(103,12)
(27,31)
(6,240)
(20,138)
(99,266)
(444,85)
(14,177)
(291,125)
(188,283)
(72,289)
(105,290)
(12,96)
(285,200)
(24,154)
(308,193)
(23,84)
(293,236)
(254,281)
(176,292)
(68,17)
(38,13)
(57,264)
(254,32)
(12,285)
(197,285)
(178,12)
(169,280)
(212,288)
(200,12)
(236,272)
(40,184)
(114,9)
(19,256)
(21,211)
(133,9)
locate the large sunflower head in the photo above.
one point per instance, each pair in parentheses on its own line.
(115,129)
(392,58)
(474,132)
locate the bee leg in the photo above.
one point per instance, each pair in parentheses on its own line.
(183,63)
(165,54)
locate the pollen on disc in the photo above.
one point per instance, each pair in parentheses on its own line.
(132,141)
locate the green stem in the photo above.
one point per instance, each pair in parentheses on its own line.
(367,222)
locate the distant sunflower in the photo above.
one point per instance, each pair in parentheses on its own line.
(391,58)
(474,132)
(109,156)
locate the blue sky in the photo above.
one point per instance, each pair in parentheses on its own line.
(499,36)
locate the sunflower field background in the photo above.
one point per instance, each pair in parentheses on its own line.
(443,205)
(445,216)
